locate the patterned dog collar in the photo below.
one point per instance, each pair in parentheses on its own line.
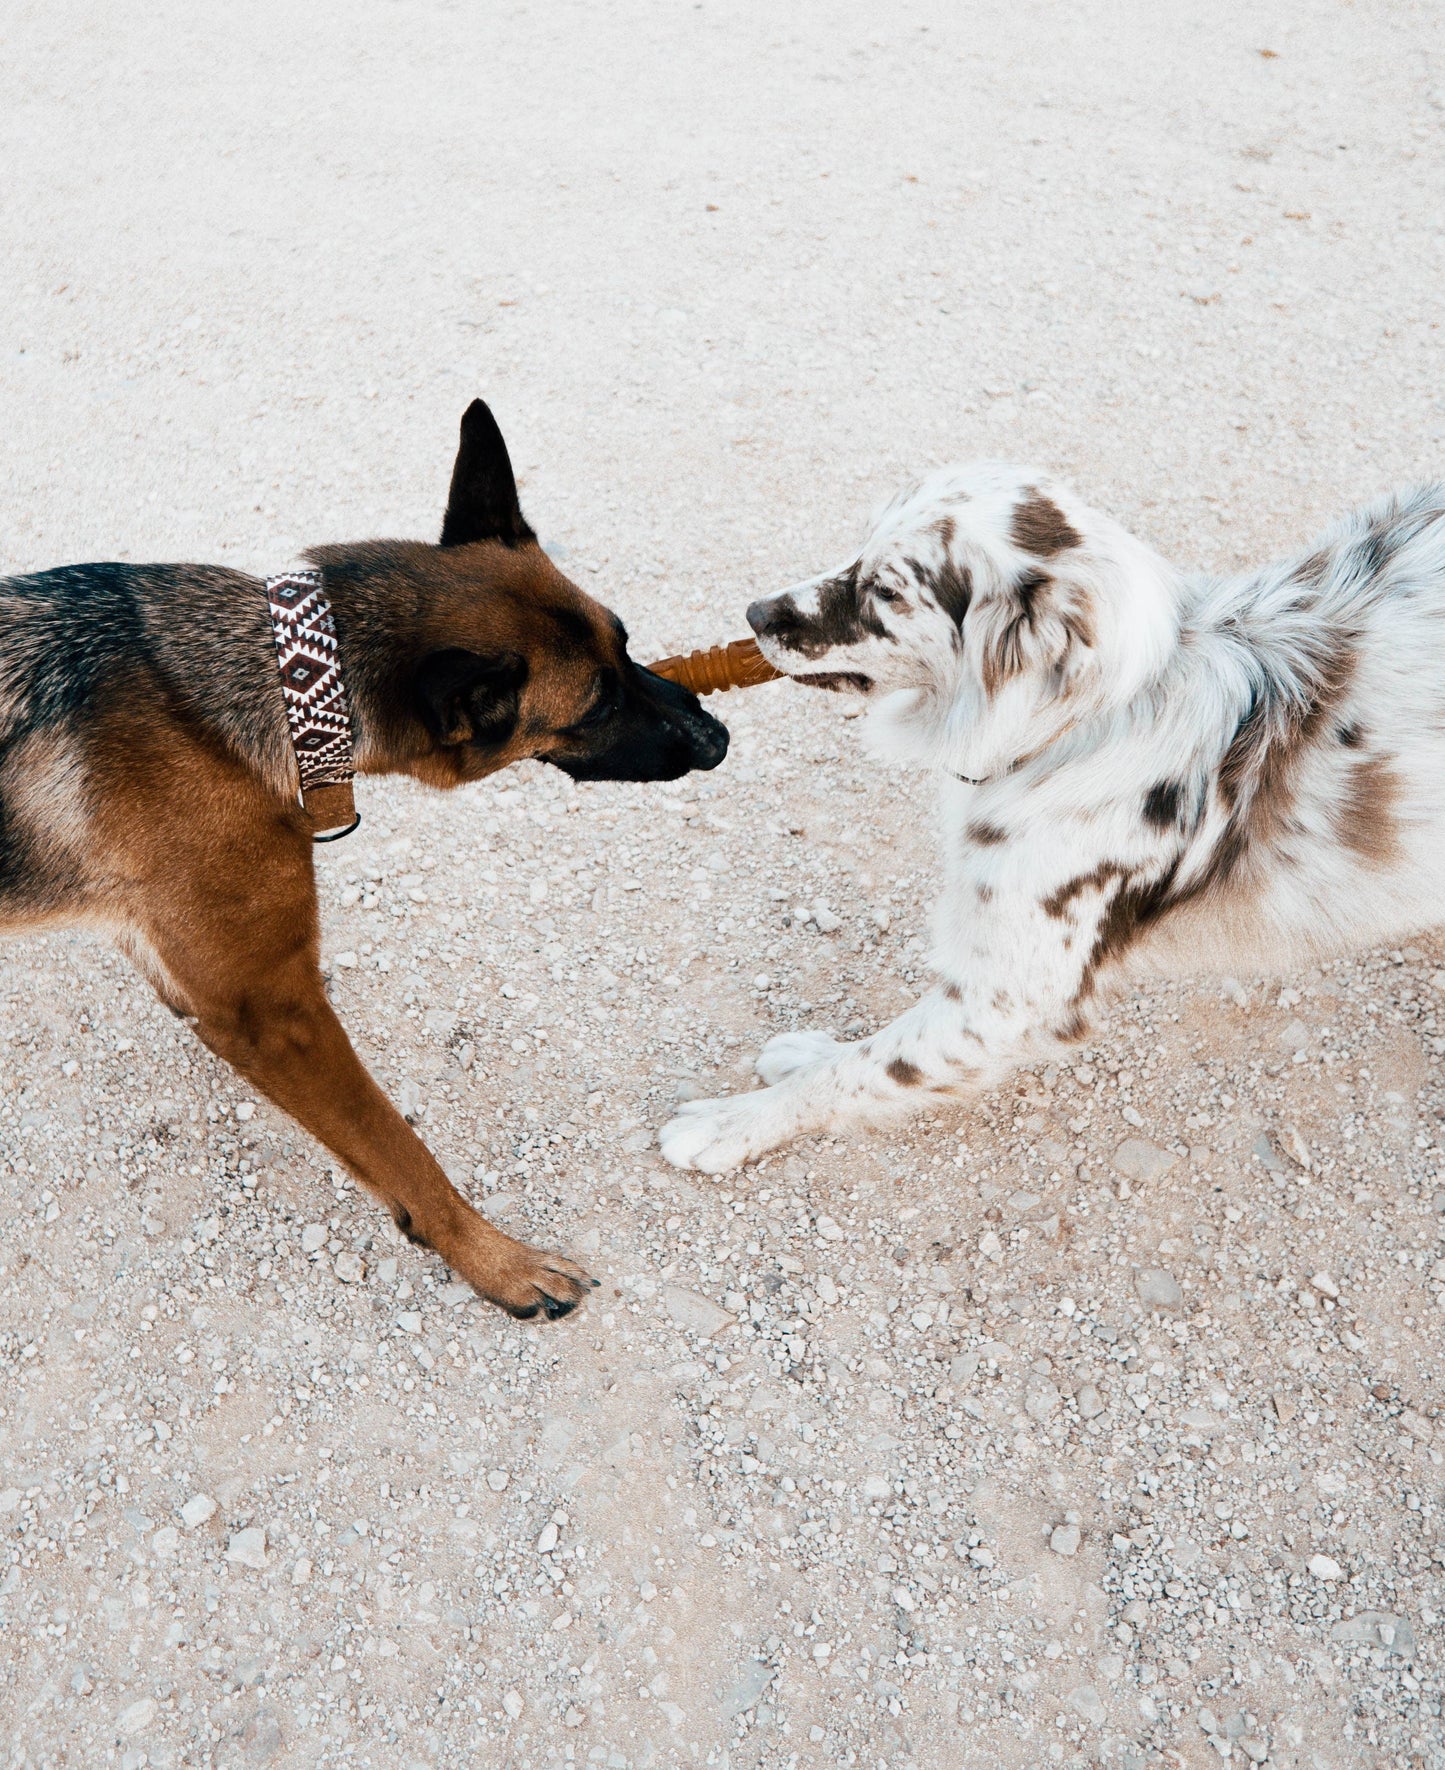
(314,691)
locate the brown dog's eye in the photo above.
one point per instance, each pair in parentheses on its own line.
(599,715)
(884,594)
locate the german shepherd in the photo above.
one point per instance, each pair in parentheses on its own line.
(148,785)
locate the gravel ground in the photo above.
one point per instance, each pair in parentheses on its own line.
(1101,1425)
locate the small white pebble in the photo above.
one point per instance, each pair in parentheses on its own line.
(1064,1539)
(1157,1289)
(136,1718)
(199,1509)
(247,1548)
(1090,1402)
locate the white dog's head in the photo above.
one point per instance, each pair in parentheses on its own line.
(987,613)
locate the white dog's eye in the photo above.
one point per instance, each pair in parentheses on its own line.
(884,594)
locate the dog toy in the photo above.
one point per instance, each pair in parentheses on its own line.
(717,668)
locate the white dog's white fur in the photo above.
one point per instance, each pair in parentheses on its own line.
(1138,770)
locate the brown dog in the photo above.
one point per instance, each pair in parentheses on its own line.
(148,785)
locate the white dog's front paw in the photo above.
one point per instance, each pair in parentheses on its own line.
(793,1050)
(719,1135)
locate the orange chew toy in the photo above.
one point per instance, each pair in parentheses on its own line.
(718,668)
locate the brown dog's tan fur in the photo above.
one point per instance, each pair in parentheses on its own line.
(144,791)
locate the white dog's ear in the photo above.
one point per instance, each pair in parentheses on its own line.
(1058,644)
(1041,626)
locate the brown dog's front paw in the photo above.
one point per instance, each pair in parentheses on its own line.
(546,1284)
(525,1281)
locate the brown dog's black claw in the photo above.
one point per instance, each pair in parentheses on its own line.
(533,1285)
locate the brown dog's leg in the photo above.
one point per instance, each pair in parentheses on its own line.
(225,922)
(279,1031)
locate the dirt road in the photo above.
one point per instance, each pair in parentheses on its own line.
(1098,1426)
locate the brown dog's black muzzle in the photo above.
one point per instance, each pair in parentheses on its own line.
(660,734)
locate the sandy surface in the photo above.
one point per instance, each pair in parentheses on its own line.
(873,1455)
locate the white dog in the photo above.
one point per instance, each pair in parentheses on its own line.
(1138,770)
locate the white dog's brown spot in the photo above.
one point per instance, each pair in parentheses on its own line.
(951,586)
(1040,527)
(1365,819)
(1259,774)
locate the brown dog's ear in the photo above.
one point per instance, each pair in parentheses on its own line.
(482,503)
(463,698)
